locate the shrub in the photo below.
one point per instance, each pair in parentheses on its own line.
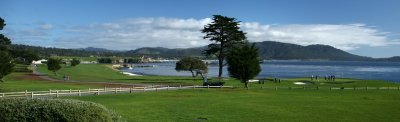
(216,83)
(60,110)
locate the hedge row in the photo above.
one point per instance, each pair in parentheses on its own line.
(60,110)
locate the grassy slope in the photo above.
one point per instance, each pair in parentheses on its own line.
(102,73)
(18,82)
(255,105)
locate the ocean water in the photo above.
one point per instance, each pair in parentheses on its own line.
(388,71)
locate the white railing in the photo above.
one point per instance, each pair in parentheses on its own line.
(70,92)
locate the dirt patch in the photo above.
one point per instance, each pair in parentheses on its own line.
(29,76)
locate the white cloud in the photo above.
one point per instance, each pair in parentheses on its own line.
(183,33)
(346,36)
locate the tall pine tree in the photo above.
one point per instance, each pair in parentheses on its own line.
(225,34)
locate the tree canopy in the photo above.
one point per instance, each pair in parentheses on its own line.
(243,63)
(53,65)
(6,65)
(6,62)
(191,64)
(225,34)
(75,62)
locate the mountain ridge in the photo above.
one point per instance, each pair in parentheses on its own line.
(267,50)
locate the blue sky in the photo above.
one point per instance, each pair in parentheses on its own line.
(363,27)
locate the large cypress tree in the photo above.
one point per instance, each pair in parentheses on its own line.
(243,63)
(225,34)
(6,64)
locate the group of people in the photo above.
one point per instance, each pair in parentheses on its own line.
(327,77)
(66,77)
(330,77)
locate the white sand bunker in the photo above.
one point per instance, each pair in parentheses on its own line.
(299,83)
(130,74)
(302,83)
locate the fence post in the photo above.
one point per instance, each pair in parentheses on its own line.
(31,94)
(156,89)
(167,87)
(70,91)
(180,86)
(79,92)
(4,95)
(26,93)
(208,86)
(98,91)
(105,89)
(120,89)
(115,90)
(49,92)
(57,93)
(130,90)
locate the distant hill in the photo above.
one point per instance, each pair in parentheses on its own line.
(94,49)
(51,51)
(165,52)
(391,59)
(286,51)
(267,50)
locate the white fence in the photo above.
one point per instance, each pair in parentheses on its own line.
(70,92)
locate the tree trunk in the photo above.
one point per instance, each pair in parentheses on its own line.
(221,65)
(192,75)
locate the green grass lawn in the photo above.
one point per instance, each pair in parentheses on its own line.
(77,57)
(18,82)
(254,105)
(102,73)
(227,104)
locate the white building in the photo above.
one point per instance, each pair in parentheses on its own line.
(39,61)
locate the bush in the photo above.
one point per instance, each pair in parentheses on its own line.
(60,110)
(217,83)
